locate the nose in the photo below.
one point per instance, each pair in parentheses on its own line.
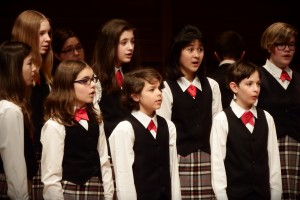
(76,52)
(33,68)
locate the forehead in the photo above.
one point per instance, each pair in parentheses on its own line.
(86,72)
(72,41)
(128,34)
(45,25)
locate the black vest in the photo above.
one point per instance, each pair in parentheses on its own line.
(151,167)
(192,118)
(112,111)
(81,158)
(246,160)
(283,105)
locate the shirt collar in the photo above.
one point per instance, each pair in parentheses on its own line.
(226,62)
(276,71)
(184,83)
(239,111)
(143,118)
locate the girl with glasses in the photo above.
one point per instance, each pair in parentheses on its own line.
(280,96)
(75,162)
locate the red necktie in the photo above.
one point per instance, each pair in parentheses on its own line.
(80,114)
(285,76)
(192,90)
(151,126)
(119,78)
(248,117)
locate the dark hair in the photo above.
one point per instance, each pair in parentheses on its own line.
(60,103)
(60,36)
(229,44)
(240,70)
(134,83)
(12,84)
(184,37)
(105,53)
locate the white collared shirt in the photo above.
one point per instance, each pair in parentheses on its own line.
(276,73)
(167,102)
(121,143)
(218,141)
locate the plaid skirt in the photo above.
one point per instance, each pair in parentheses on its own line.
(91,190)
(289,150)
(195,176)
(3,188)
(37,185)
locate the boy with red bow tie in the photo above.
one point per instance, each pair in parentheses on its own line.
(244,149)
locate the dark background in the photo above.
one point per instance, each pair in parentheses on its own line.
(157,19)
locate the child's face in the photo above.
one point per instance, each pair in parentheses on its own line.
(125,47)
(71,50)
(84,92)
(150,98)
(28,70)
(191,58)
(283,57)
(44,37)
(247,91)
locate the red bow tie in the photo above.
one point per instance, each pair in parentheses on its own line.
(80,114)
(152,126)
(192,90)
(247,117)
(285,76)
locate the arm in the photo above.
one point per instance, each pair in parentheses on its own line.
(274,160)
(175,181)
(216,97)
(53,141)
(218,139)
(106,170)
(12,153)
(167,103)
(121,143)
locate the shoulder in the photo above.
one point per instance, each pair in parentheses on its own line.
(50,123)
(123,126)
(7,106)
(268,115)
(212,81)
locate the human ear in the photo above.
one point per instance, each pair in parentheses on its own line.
(135,97)
(234,87)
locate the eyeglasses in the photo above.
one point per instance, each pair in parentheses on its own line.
(87,81)
(282,46)
(71,50)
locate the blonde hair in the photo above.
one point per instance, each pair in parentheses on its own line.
(278,32)
(26,29)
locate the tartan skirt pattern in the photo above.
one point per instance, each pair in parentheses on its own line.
(195,176)
(37,185)
(3,188)
(91,190)
(289,150)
